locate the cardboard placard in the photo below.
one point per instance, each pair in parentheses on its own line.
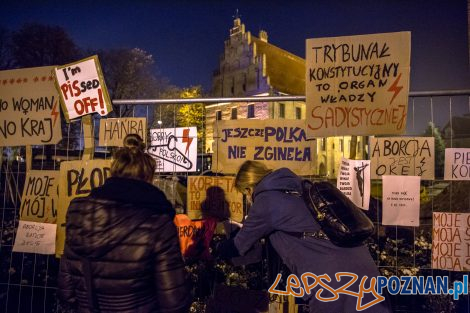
(354,181)
(77,178)
(40,197)
(174,149)
(32,237)
(276,143)
(82,88)
(450,241)
(214,196)
(114,130)
(29,107)
(405,156)
(400,200)
(457,164)
(357,85)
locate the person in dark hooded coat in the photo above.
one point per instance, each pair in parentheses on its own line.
(277,212)
(122,252)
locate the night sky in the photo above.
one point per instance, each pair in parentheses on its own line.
(186,38)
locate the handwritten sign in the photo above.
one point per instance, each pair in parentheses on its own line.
(400,199)
(406,156)
(77,179)
(450,241)
(457,164)
(114,130)
(357,85)
(276,143)
(32,237)
(354,181)
(29,107)
(82,88)
(40,197)
(214,196)
(174,149)
(195,236)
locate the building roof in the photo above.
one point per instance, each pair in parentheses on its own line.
(285,70)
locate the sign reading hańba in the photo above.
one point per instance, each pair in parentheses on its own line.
(276,143)
(174,149)
(82,88)
(114,130)
(357,85)
(29,107)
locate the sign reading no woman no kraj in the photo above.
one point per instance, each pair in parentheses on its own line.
(82,88)
(274,142)
(114,130)
(29,107)
(357,85)
(450,241)
(404,156)
(40,197)
(174,149)
(77,179)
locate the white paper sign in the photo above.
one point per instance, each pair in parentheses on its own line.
(400,200)
(174,149)
(354,181)
(457,164)
(35,237)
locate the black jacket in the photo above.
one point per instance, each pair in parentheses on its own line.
(123,232)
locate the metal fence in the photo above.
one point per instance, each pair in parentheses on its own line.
(28,281)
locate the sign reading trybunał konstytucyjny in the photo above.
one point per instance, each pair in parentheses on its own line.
(82,88)
(276,143)
(29,107)
(357,85)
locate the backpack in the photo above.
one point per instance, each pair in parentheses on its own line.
(345,224)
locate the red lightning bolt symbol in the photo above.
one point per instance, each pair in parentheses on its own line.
(54,112)
(187,139)
(395,88)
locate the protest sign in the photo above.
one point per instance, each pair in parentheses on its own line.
(77,179)
(400,200)
(29,107)
(82,88)
(195,236)
(406,156)
(40,197)
(174,149)
(276,143)
(450,241)
(35,237)
(354,181)
(457,164)
(357,85)
(114,130)
(214,196)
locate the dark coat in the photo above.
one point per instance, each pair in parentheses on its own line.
(125,229)
(274,213)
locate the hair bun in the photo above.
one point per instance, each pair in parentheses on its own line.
(134,141)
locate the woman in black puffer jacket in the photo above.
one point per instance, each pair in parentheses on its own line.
(122,252)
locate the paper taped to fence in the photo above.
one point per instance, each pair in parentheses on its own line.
(354,181)
(29,107)
(357,85)
(276,143)
(35,237)
(457,164)
(400,200)
(114,130)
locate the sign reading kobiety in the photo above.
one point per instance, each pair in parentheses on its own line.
(214,196)
(29,107)
(77,179)
(357,85)
(276,143)
(450,241)
(406,156)
(457,164)
(40,197)
(82,88)
(114,130)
